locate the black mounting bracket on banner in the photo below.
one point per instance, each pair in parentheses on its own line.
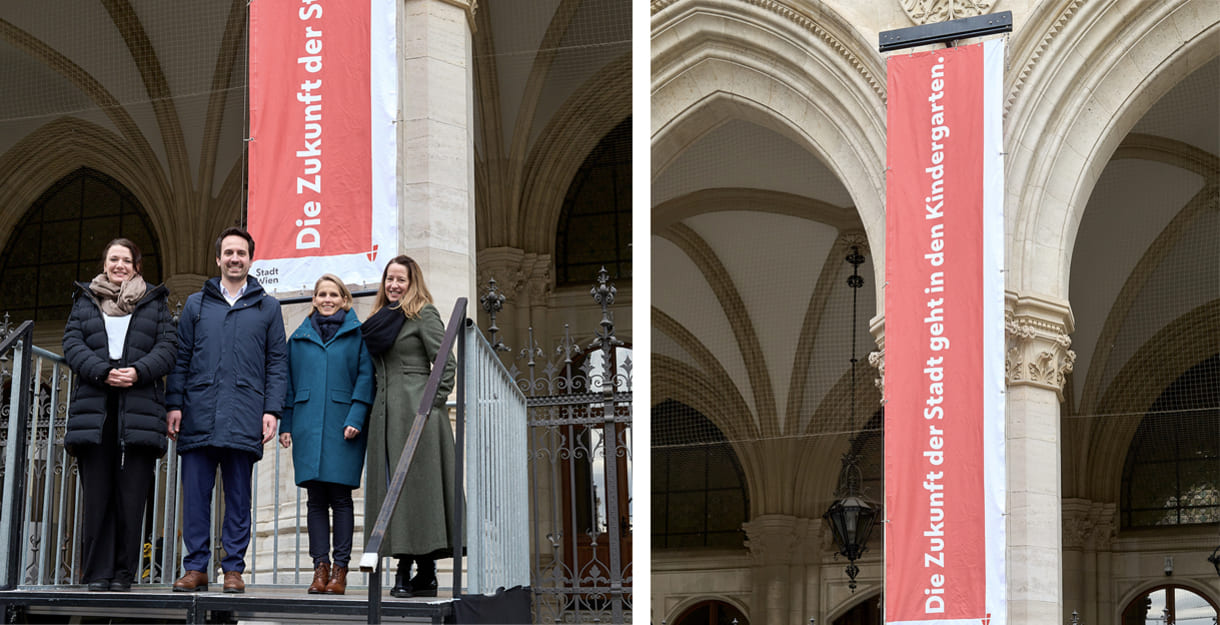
(965,28)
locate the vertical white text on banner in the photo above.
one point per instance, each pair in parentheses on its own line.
(323,97)
(944,415)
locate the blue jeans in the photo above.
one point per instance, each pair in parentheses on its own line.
(198,479)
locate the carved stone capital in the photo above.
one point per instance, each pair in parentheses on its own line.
(1088,525)
(1036,331)
(181,285)
(471,7)
(518,273)
(877,360)
(932,11)
(876,327)
(772,539)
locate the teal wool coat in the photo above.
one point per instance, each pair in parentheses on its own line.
(421,521)
(330,386)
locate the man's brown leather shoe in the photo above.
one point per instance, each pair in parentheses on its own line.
(233,582)
(193,581)
(338,581)
(321,575)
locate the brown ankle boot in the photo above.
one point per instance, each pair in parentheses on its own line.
(321,575)
(338,581)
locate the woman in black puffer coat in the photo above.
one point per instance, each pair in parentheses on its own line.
(120,342)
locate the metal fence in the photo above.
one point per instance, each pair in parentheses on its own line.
(579,398)
(41,508)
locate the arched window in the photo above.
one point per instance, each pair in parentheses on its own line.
(60,240)
(867,612)
(698,488)
(595,224)
(712,613)
(1172,472)
(1170,604)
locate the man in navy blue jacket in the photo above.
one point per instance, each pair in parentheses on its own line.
(224,398)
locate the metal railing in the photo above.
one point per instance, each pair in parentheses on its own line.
(497,502)
(19,342)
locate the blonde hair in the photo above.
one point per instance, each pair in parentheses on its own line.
(344,292)
(417,295)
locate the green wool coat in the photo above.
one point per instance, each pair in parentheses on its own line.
(422,520)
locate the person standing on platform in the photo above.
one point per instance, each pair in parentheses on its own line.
(119,343)
(224,398)
(330,389)
(404,334)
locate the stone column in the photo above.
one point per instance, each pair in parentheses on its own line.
(771,540)
(436,146)
(785,551)
(807,573)
(1036,363)
(1088,533)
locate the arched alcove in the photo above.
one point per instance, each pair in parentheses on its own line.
(1172,472)
(697,481)
(595,222)
(712,612)
(60,238)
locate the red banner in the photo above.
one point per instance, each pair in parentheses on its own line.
(940,287)
(311,166)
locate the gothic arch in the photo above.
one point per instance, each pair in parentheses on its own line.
(585,118)
(1131,594)
(1083,87)
(691,602)
(1165,357)
(814,82)
(695,391)
(817,471)
(850,602)
(1093,386)
(61,147)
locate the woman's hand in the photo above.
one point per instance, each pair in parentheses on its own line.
(285,440)
(350,432)
(122,378)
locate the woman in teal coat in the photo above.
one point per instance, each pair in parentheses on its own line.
(330,390)
(404,334)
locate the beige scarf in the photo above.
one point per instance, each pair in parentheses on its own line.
(117,300)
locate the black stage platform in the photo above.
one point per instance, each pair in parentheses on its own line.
(156,603)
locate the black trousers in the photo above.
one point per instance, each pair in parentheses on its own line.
(114,488)
(323,498)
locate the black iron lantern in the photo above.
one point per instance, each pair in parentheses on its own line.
(851,516)
(851,519)
(1214,558)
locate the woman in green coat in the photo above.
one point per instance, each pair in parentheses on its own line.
(404,334)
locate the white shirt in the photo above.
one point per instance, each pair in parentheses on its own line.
(116,334)
(232,299)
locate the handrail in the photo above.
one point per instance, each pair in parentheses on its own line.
(370,562)
(14,482)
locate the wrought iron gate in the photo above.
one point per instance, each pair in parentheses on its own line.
(579,400)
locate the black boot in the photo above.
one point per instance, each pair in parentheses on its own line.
(424,582)
(402,589)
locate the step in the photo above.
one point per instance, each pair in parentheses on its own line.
(267,604)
